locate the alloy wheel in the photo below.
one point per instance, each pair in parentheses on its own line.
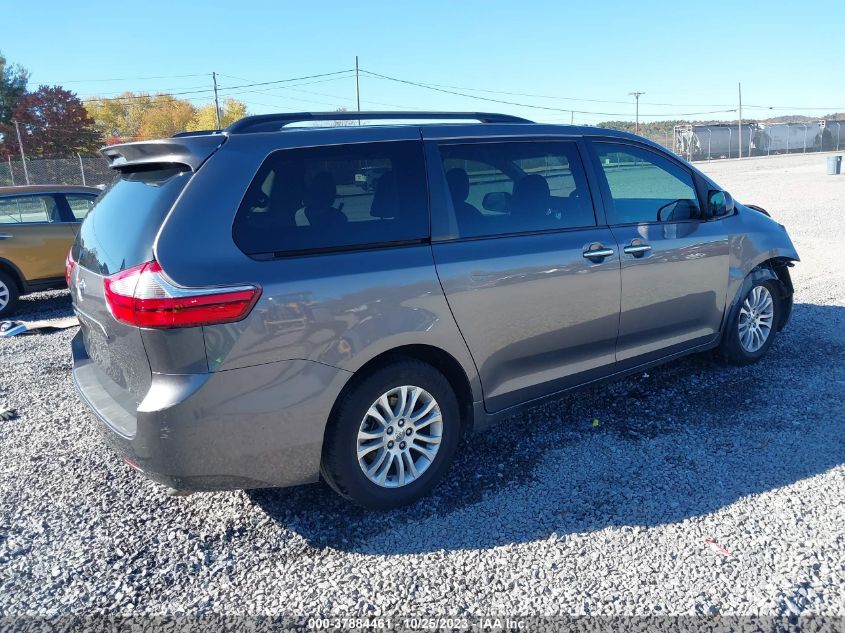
(4,295)
(399,436)
(756,317)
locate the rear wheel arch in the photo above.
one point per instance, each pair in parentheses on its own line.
(353,479)
(10,269)
(437,358)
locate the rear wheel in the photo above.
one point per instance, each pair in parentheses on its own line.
(752,329)
(393,436)
(8,295)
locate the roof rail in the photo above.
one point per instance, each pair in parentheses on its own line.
(275,122)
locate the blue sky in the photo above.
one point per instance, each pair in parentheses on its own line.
(587,55)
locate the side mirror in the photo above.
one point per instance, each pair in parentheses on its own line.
(497,201)
(719,203)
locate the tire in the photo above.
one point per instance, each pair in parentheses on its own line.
(340,465)
(8,295)
(740,349)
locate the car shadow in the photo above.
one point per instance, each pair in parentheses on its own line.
(678,441)
(51,304)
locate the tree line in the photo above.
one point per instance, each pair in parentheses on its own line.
(55,123)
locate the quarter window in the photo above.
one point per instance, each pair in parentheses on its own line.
(342,196)
(79,205)
(23,209)
(515,187)
(645,187)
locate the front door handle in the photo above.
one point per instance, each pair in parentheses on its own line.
(597,254)
(5,236)
(637,250)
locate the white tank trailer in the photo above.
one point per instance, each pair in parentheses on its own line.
(833,137)
(703,142)
(784,138)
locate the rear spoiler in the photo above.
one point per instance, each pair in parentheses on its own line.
(191,151)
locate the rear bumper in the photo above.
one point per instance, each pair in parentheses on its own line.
(251,427)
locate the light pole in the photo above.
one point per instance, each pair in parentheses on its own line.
(636,95)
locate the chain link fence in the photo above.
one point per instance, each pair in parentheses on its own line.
(77,170)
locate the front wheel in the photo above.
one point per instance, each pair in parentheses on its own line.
(752,329)
(392,436)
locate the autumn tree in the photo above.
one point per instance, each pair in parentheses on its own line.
(118,118)
(165,116)
(132,116)
(53,122)
(13,80)
(206,119)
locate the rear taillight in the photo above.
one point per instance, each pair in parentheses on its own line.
(142,296)
(69,264)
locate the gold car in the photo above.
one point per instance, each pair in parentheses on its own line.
(37,226)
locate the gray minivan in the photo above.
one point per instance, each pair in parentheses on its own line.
(252,317)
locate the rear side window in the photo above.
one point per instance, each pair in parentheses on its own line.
(336,197)
(645,187)
(120,229)
(29,209)
(515,187)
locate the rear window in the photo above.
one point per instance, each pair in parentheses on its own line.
(119,231)
(336,197)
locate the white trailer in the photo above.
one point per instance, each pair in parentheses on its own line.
(784,138)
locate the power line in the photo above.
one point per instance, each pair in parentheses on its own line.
(77,81)
(313,92)
(529,105)
(582,99)
(207,90)
(159,90)
(587,100)
(292,88)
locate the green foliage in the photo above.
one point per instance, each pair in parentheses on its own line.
(13,80)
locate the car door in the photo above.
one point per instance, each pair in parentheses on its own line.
(33,236)
(674,261)
(531,277)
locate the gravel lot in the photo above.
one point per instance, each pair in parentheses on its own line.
(548,515)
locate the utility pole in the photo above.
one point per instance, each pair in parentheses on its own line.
(357,89)
(636,96)
(216,102)
(740,119)
(23,156)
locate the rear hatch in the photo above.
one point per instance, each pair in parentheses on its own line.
(118,234)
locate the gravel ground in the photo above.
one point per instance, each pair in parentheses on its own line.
(548,515)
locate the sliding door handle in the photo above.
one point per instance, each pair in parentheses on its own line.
(598,254)
(637,250)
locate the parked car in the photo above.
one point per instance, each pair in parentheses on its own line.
(37,226)
(250,319)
